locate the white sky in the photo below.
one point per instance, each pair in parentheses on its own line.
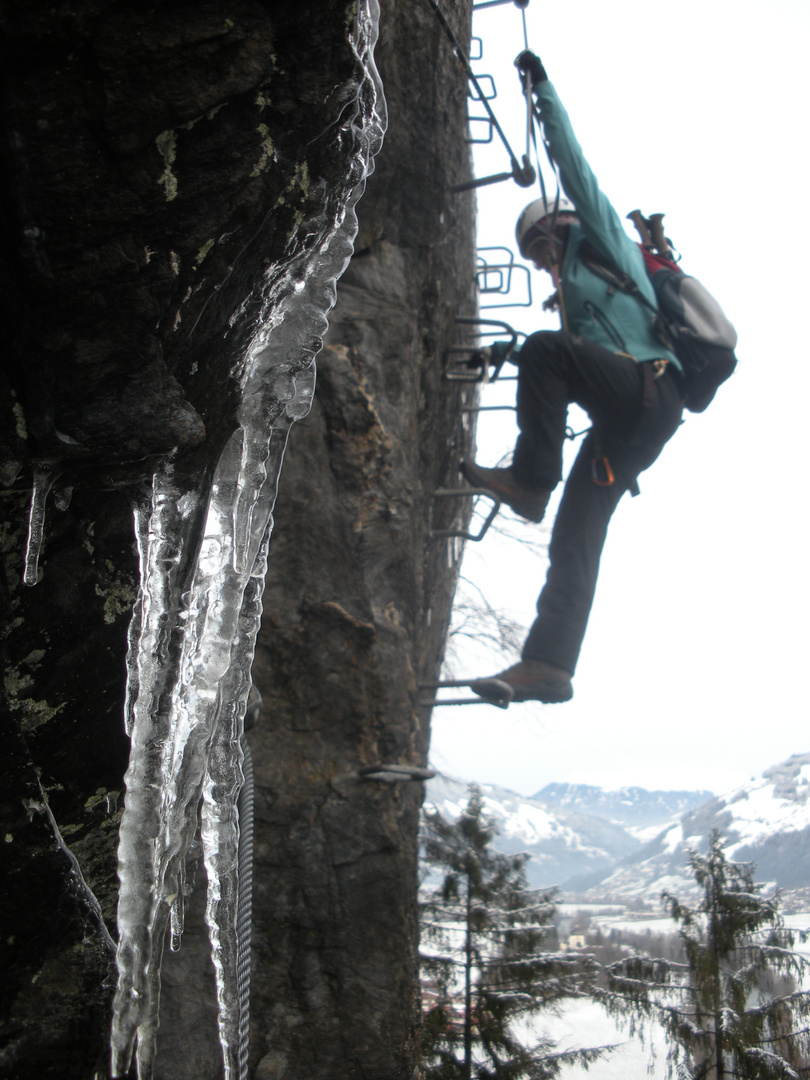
(694,669)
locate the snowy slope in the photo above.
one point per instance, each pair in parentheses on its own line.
(766,821)
(634,843)
(636,808)
(563,844)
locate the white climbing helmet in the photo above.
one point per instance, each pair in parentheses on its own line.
(533,215)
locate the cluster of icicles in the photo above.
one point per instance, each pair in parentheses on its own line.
(203,557)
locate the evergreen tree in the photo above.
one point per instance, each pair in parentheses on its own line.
(731,1010)
(483,971)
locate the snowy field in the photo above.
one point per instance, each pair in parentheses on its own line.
(584,1023)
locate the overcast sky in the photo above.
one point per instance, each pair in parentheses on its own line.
(694,670)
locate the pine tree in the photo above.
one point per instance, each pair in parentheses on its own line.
(729,1011)
(483,971)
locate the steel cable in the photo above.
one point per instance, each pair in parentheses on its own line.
(244,910)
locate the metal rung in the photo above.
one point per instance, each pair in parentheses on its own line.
(487,408)
(486,327)
(476,92)
(484,140)
(455,493)
(461,701)
(474,375)
(502,693)
(395,774)
(499,324)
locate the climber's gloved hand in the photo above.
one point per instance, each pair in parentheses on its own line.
(529,61)
(500,351)
(494,356)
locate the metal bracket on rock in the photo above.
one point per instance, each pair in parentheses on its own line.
(479,372)
(456,493)
(395,774)
(500,693)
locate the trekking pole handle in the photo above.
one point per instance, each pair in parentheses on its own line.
(660,241)
(642,228)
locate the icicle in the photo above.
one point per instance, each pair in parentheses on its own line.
(194,626)
(141,507)
(44,476)
(158,651)
(148,1028)
(221,828)
(178,913)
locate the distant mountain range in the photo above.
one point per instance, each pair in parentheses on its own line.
(632,843)
(766,821)
(565,836)
(633,807)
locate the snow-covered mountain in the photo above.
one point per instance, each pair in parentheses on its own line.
(563,844)
(633,844)
(766,821)
(636,808)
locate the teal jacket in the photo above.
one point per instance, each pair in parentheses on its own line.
(593,310)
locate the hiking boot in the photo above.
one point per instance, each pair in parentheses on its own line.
(530,680)
(529,503)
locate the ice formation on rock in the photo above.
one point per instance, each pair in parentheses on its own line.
(203,560)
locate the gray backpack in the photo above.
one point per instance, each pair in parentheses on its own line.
(688,320)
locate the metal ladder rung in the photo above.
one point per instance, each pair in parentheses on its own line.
(395,774)
(436,702)
(446,493)
(502,693)
(468,375)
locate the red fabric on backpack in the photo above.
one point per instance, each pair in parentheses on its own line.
(657,262)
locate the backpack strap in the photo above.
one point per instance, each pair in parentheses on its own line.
(607,270)
(618,279)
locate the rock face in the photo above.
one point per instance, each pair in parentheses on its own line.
(162,161)
(358,599)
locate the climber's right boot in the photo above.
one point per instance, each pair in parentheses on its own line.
(529,503)
(530,680)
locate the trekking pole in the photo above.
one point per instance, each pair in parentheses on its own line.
(660,241)
(642,228)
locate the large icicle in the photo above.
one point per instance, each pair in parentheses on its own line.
(203,560)
(44,476)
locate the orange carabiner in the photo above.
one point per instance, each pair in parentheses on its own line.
(601,472)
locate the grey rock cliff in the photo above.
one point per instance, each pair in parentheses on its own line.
(159,161)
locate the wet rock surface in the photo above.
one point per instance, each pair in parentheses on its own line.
(160,161)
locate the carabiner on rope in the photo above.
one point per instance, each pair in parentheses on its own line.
(601,472)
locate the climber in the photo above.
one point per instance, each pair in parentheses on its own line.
(606,359)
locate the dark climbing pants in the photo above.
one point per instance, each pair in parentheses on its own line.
(633,416)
